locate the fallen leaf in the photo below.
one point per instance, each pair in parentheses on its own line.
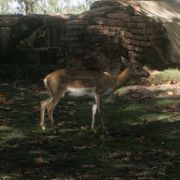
(72,112)
(170,93)
(80,147)
(39,160)
(171,106)
(3,100)
(173,82)
(71,103)
(5,108)
(85,127)
(88,165)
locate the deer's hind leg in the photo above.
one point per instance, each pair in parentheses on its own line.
(44,105)
(52,104)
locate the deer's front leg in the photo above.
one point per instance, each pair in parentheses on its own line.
(94,110)
(98,99)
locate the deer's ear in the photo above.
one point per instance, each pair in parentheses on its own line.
(124,60)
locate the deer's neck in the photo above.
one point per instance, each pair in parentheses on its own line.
(123,77)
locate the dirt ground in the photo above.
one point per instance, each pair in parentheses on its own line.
(143,140)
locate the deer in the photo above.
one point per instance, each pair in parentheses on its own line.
(77,83)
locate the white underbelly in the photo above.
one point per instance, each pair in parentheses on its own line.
(81,91)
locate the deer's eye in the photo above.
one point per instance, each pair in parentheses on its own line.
(137,68)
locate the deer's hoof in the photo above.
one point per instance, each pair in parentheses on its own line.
(93,130)
(54,131)
(43,127)
(106,132)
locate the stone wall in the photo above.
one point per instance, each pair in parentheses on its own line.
(32,31)
(29,45)
(114,28)
(6,23)
(144,31)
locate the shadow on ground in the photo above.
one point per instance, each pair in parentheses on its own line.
(143,141)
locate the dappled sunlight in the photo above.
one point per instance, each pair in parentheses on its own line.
(173,30)
(140,131)
(134,107)
(162,10)
(9,134)
(168,13)
(133,134)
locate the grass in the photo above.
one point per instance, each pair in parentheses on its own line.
(166,76)
(143,139)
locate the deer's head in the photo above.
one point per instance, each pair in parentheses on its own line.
(137,70)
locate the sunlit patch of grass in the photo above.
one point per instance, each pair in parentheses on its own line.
(121,91)
(154,103)
(153,117)
(166,76)
(12,176)
(163,102)
(134,107)
(9,133)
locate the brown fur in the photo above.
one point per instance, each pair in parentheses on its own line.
(58,81)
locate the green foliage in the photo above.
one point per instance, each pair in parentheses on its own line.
(166,75)
(44,7)
(4,6)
